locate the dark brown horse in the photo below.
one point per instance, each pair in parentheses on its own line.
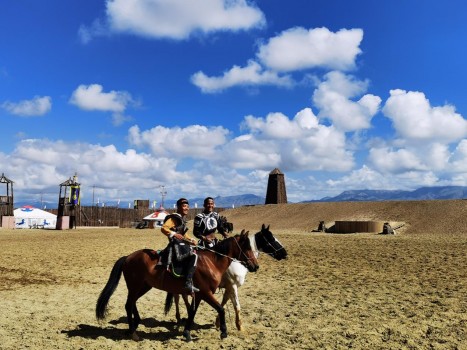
(141,274)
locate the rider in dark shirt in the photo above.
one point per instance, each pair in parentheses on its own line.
(207,223)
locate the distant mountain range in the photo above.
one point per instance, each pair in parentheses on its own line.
(226,202)
(423,193)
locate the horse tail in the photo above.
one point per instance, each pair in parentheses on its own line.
(168,302)
(112,283)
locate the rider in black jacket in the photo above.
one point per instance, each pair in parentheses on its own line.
(207,223)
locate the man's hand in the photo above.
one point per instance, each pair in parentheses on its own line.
(179,236)
(206,239)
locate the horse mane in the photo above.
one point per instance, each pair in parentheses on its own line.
(223,246)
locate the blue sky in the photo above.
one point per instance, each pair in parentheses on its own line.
(207,97)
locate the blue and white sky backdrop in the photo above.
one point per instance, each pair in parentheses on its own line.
(206,97)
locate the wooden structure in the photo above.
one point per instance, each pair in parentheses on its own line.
(92,216)
(358,226)
(276,192)
(68,204)
(141,204)
(7,216)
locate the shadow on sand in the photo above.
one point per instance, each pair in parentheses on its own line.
(172,330)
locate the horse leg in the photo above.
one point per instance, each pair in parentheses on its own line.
(187,302)
(129,307)
(132,313)
(236,304)
(211,300)
(137,319)
(191,316)
(225,298)
(177,308)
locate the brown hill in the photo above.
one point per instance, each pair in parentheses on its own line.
(419,217)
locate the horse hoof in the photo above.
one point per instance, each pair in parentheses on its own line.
(223,335)
(135,337)
(187,336)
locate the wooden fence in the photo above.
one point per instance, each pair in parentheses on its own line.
(95,216)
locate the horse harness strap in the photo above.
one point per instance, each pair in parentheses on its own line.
(225,256)
(272,247)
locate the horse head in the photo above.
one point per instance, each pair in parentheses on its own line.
(267,243)
(246,255)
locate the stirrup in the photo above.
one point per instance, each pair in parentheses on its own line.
(191,288)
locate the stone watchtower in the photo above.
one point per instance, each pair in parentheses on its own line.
(276,193)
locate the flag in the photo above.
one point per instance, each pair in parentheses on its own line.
(74,195)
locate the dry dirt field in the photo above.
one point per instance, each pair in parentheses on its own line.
(335,291)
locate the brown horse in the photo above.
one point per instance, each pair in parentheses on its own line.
(263,241)
(141,274)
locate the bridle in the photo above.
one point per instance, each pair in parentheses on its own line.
(271,246)
(240,254)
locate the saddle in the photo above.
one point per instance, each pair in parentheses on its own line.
(172,258)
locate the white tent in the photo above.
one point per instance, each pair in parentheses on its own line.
(156,219)
(30,217)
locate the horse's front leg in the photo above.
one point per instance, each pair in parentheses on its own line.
(211,300)
(191,316)
(225,298)
(236,304)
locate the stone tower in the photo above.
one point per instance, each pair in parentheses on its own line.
(276,193)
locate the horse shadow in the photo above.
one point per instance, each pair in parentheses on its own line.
(172,330)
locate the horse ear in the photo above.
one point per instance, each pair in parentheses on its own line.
(263,227)
(268,227)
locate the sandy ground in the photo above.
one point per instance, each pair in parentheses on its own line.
(335,291)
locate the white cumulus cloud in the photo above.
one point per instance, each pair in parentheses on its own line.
(251,75)
(93,98)
(334,99)
(194,141)
(388,160)
(300,144)
(299,48)
(41,164)
(415,120)
(459,159)
(38,106)
(174,19)
(293,50)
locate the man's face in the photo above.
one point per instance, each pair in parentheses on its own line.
(209,206)
(183,210)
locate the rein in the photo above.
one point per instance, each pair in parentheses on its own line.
(226,256)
